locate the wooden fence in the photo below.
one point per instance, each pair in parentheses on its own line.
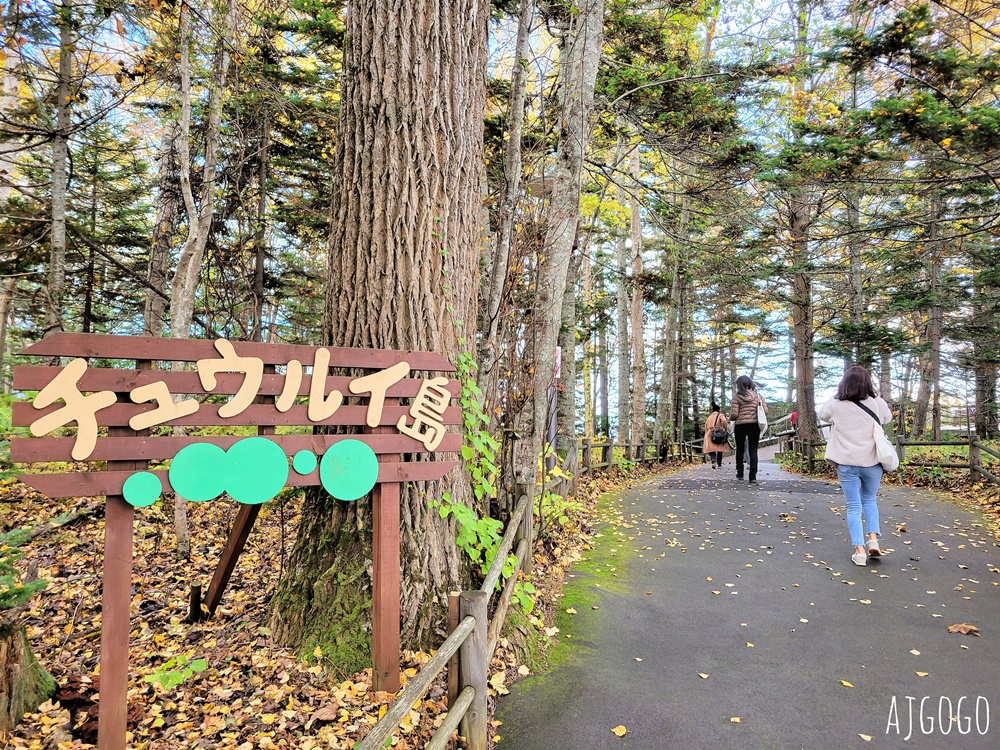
(807,449)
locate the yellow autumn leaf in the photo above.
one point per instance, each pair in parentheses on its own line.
(749,645)
(523,670)
(570,611)
(620,730)
(317,652)
(865,737)
(703,676)
(914,652)
(845,683)
(922,674)
(735,719)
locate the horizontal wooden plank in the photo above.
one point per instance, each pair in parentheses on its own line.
(189,350)
(101,483)
(34,378)
(118,415)
(30,450)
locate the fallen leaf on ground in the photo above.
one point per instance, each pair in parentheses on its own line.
(703,676)
(914,652)
(845,683)
(922,674)
(570,611)
(865,737)
(620,730)
(964,628)
(735,719)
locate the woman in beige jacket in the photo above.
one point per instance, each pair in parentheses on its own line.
(743,414)
(715,451)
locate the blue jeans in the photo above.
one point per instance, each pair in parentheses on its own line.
(860,485)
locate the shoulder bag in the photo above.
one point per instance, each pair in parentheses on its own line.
(718,435)
(884,451)
(761,414)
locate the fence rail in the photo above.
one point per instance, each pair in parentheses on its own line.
(807,449)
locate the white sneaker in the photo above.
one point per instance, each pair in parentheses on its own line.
(860,558)
(873,549)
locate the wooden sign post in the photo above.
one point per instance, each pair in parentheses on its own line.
(251,470)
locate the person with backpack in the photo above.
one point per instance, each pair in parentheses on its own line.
(851,448)
(716,441)
(744,415)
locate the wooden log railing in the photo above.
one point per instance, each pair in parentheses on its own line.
(468,650)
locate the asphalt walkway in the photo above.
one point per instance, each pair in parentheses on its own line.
(724,616)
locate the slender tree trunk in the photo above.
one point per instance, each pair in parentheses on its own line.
(496,271)
(622,340)
(165,207)
(261,234)
(184,285)
(24,684)
(60,173)
(934,324)
(636,320)
(885,376)
(802,318)
(404,245)
(604,390)
(987,413)
(566,403)
(578,60)
(587,299)
(7,287)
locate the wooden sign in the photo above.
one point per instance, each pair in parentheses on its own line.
(232,384)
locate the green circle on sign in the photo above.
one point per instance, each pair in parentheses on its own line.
(199,472)
(348,470)
(258,470)
(142,489)
(304,462)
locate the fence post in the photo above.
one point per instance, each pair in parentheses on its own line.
(473,661)
(586,455)
(900,447)
(526,529)
(975,458)
(605,449)
(811,453)
(453,620)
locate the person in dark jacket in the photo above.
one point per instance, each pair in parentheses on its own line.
(743,415)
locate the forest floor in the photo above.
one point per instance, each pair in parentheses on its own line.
(254,693)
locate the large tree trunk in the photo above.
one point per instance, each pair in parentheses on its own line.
(578,59)
(60,173)
(986,400)
(404,244)
(24,684)
(636,320)
(603,418)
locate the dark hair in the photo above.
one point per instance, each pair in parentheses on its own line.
(715,406)
(744,385)
(856,385)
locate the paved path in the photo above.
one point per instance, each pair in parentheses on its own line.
(715,566)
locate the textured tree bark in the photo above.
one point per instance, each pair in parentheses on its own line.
(587,298)
(803,330)
(184,285)
(603,415)
(578,59)
(165,206)
(636,318)
(404,245)
(622,337)
(24,685)
(60,173)
(566,404)
(495,279)
(986,400)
